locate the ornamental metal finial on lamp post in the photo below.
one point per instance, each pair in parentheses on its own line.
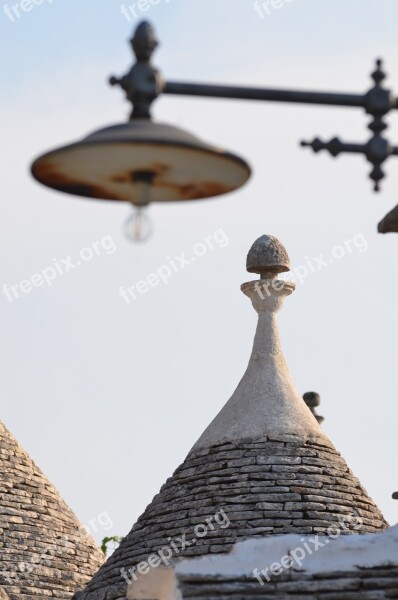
(377,102)
(143,83)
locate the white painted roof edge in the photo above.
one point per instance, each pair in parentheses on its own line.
(343,553)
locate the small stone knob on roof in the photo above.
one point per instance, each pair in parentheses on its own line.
(267,257)
(312,400)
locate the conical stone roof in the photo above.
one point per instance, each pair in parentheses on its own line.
(263,466)
(44,551)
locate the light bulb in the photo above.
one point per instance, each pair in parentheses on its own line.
(138,227)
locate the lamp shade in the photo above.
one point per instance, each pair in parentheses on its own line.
(114,163)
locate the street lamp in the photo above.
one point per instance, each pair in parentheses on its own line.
(141,162)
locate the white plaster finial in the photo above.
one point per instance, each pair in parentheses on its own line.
(266,402)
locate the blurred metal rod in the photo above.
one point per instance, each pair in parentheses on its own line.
(263,94)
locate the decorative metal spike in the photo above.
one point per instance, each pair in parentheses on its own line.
(378,75)
(377,174)
(377,102)
(334,146)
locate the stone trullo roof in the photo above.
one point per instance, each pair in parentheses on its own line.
(264,461)
(44,551)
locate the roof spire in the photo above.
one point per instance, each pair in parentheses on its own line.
(266,401)
(264,462)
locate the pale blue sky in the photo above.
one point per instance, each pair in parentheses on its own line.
(107,397)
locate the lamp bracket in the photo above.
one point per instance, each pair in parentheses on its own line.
(144,83)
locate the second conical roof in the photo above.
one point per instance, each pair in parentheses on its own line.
(45,552)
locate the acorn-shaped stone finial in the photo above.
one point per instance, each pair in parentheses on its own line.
(267,257)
